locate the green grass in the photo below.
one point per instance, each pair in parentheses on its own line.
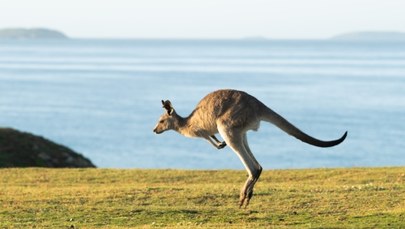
(106,198)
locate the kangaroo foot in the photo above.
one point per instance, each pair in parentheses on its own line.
(242,199)
(243,194)
(245,197)
(248,197)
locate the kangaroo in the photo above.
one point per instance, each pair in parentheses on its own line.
(232,113)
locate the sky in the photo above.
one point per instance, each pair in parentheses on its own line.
(277,19)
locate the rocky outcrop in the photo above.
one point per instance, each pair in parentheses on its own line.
(19,149)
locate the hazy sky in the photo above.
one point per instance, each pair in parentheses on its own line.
(205,18)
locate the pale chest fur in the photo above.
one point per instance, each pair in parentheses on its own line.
(201,123)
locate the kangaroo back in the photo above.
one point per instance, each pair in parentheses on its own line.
(274,118)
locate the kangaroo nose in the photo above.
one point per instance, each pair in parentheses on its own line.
(156,131)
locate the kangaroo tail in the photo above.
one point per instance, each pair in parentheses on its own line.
(274,118)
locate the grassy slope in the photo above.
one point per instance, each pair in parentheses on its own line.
(87,198)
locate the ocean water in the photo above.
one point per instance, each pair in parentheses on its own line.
(102,98)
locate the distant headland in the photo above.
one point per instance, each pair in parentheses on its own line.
(46,33)
(34,33)
(371,36)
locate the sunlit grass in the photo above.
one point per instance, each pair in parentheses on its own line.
(106,198)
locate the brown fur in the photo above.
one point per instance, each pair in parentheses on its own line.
(232,113)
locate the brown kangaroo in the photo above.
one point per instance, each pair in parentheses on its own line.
(232,113)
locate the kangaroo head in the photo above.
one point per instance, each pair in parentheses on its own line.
(168,119)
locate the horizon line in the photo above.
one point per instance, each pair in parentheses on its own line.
(247,37)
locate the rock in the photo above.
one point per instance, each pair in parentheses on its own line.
(19,149)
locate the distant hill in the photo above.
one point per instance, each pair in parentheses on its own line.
(19,149)
(36,33)
(371,36)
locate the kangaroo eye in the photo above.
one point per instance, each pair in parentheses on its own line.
(161,121)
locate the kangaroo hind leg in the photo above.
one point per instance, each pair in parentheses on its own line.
(249,189)
(235,140)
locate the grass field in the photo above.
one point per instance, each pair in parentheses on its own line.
(107,198)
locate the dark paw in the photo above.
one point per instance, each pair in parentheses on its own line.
(222,145)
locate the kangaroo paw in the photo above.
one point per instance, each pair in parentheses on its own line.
(222,145)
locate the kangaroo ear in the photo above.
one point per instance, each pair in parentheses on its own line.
(168,106)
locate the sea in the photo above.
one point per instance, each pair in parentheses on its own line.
(102,98)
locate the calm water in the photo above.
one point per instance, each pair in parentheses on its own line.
(102,98)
